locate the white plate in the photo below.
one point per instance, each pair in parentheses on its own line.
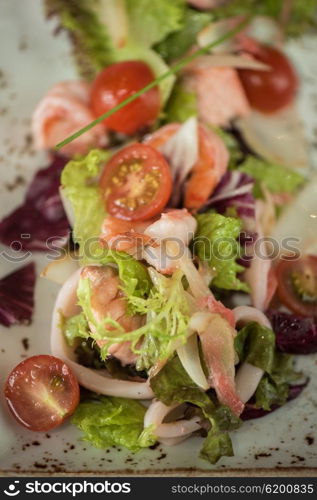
(32,61)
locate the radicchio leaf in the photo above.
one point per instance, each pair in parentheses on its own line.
(234,192)
(250,411)
(41,216)
(294,334)
(17,296)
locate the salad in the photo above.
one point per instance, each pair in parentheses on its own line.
(185,292)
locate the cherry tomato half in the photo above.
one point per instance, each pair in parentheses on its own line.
(136,183)
(297,285)
(41,392)
(269,91)
(116,83)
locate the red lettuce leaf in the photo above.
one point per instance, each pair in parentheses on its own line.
(294,334)
(41,216)
(17,296)
(234,191)
(250,411)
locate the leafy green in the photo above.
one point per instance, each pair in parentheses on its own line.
(151,21)
(110,421)
(172,385)
(75,327)
(255,344)
(302,14)
(276,178)
(79,181)
(133,274)
(181,105)
(167,320)
(176,44)
(216,243)
(92,47)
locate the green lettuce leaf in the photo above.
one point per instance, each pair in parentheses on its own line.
(276,178)
(181,105)
(216,243)
(75,327)
(173,385)
(133,274)
(302,14)
(255,344)
(178,43)
(110,421)
(80,186)
(152,20)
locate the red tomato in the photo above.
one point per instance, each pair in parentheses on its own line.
(116,83)
(136,183)
(41,392)
(297,285)
(269,91)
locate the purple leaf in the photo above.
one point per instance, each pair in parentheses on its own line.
(250,411)
(41,216)
(294,334)
(233,191)
(17,296)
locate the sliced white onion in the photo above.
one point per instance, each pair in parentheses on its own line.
(265,30)
(182,148)
(189,357)
(246,314)
(156,413)
(66,303)
(213,31)
(228,60)
(277,137)
(113,14)
(59,270)
(178,429)
(298,221)
(247,380)
(174,441)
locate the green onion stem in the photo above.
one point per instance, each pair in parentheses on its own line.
(174,69)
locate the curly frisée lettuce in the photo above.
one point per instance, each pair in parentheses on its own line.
(80,187)
(109,421)
(172,385)
(216,243)
(167,318)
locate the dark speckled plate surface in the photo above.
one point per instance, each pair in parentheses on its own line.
(31,61)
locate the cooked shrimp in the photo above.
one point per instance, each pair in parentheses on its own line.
(63,111)
(177,228)
(207,172)
(220,94)
(107,299)
(124,236)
